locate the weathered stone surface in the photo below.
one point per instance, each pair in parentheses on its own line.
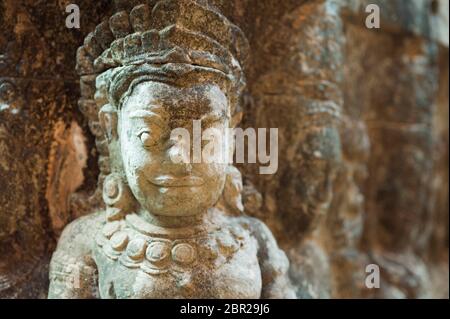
(39,89)
(363,141)
(423,18)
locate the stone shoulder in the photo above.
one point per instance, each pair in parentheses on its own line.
(78,237)
(272,259)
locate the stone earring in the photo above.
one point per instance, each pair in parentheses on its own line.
(232,193)
(117,197)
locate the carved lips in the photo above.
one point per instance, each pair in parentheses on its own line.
(171,181)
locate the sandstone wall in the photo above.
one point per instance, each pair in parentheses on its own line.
(363,124)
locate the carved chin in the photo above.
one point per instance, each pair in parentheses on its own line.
(179,201)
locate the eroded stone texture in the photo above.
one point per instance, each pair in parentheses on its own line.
(363,165)
(38,89)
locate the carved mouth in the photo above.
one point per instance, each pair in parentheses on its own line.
(171,181)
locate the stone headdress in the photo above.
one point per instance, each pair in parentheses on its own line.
(177,41)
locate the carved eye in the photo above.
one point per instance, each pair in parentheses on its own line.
(146,139)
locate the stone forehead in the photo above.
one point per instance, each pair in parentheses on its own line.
(178,102)
(165,91)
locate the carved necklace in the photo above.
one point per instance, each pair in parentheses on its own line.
(155,250)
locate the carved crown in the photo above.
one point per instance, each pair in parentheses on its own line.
(149,31)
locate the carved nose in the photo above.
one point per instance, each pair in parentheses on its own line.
(179,153)
(179,159)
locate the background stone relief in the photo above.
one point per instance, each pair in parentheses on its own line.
(363,120)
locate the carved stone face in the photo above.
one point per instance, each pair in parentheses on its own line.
(146,120)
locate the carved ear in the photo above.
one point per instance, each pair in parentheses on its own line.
(236,119)
(108,121)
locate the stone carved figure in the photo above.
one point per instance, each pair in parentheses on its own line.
(169,230)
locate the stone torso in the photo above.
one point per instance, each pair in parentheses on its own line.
(138,260)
